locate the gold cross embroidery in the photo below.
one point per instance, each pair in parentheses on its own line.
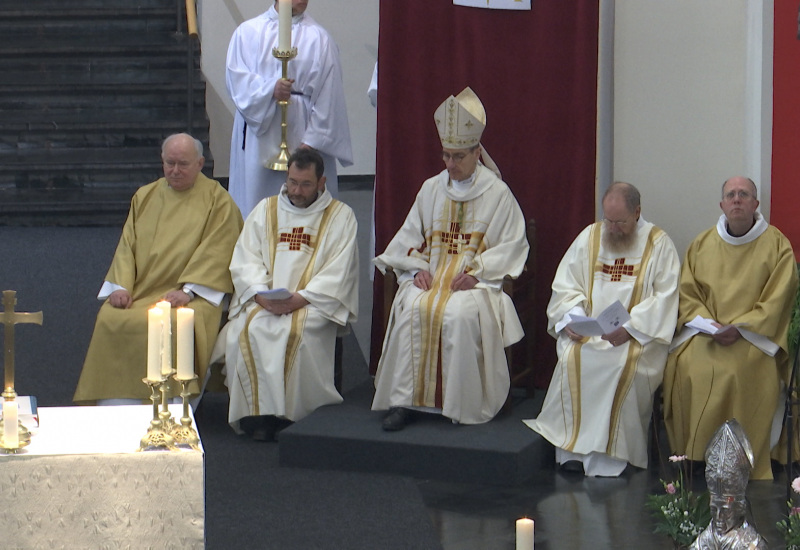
(296,238)
(618,269)
(455,239)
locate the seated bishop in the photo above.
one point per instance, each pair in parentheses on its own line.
(295,277)
(444,346)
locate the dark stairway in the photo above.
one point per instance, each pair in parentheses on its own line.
(88,90)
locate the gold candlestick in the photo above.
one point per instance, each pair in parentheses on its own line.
(186,436)
(281,160)
(9,318)
(156,439)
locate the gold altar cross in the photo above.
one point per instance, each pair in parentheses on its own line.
(9,318)
(618,269)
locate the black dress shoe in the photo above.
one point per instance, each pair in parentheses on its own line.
(260,428)
(396,419)
(574,466)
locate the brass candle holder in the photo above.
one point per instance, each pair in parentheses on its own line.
(157,438)
(185,436)
(281,160)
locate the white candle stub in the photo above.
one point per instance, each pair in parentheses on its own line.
(154,316)
(524,534)
(185,348)
(10,426)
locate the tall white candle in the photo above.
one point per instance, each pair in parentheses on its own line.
(524,534)
(284,25)
(185,350)
(10,427)
(154,316)
(166,338)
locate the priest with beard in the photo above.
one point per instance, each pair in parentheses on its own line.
(598,406)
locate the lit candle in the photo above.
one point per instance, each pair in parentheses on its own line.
(154,316)
(284,25)
(524,534)
(185,350)
(166,338)
(10,419)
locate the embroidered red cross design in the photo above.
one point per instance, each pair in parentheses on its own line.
(618,269)
(455,239)
(296,238)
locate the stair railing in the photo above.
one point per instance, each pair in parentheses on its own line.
(190,8)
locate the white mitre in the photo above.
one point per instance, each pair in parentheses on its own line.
(460,121)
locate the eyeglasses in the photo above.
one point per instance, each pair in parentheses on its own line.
(743,195)
(455,157)
(618,223)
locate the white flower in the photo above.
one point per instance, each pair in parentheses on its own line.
(681,458)
(796,485)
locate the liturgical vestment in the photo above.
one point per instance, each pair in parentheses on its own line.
(443,349)
(170,238)
(282,365)
(748,281)
(600,397)
(317,114)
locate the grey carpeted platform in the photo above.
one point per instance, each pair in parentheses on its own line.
(349,437)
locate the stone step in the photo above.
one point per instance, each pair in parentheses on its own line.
(126,44)
(43,7)
(92,98)
(65,21)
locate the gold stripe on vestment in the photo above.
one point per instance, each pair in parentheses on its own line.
(574,380)
(249,360)
(432,303)
(634,347)
(299,315)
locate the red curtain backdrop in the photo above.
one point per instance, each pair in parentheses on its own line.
(786,122)
(536,74)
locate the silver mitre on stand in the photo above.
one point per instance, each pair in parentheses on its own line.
(729,459)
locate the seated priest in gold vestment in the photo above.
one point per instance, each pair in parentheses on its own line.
(450,321)
(730,360)
(295,275)
(175,246)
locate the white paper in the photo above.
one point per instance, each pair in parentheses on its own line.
(276,294)
(613,317)
(700,324)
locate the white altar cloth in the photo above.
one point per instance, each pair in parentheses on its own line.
(81,484)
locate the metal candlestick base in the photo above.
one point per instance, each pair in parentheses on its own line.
(156,439)
(185,436)
(280,161)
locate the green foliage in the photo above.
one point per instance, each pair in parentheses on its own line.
(679,513)
(789,526)
(794,326)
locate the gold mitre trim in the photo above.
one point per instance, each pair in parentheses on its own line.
(460,120)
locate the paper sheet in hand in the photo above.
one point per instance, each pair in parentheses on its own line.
(700,324)
(613,317)
(276,294)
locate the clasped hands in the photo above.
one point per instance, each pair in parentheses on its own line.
(727,335)
(282,307)
(462,281)
(122,298)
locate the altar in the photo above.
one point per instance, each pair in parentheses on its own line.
(82,484)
